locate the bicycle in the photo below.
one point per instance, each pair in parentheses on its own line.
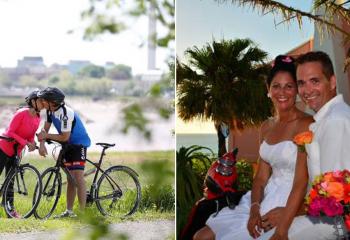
(25,195)
(117,192)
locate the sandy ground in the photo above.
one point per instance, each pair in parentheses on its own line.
(103,122)
(156,230)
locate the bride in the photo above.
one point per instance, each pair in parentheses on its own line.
(259,210)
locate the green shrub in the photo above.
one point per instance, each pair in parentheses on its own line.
(163,201)
(245,173)
(158,193)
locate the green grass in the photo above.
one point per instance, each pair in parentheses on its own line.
(148,211)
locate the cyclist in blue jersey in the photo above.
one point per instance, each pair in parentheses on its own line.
(70,130)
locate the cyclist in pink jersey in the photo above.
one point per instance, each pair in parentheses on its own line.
(22,128)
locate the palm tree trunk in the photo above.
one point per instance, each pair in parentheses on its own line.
(221,141)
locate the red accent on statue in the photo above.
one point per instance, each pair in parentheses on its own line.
(221,176)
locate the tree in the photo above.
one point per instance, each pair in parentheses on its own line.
(120,72)
(332,9)
(105,16)
(103,19)
(5,79)
(223,82)
(93,71)
(29,81)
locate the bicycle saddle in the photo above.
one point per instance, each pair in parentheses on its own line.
(106,145)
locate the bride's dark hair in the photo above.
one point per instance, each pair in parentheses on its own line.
(282,63)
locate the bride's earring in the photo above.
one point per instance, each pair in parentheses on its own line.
(268,95)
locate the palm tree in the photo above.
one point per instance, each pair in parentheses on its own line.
(223,82)
(332,9)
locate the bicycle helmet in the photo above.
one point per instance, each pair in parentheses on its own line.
(32,95)
(52,94)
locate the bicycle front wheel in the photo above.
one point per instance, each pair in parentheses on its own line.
(22,192)
(51,192)
(118,192)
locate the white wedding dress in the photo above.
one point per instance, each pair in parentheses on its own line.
(232,224)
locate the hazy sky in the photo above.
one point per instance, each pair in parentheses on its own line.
(39,28)
(201,21)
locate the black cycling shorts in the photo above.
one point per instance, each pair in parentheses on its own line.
(75,157)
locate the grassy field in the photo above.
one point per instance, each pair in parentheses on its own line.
(151,208)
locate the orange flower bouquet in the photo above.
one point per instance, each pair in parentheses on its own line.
(303,138)
(330,196)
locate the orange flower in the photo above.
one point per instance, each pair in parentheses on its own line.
(303,138)
(336,190)
(328,177)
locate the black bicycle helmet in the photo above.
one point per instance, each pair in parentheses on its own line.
(52,94)
(32,95)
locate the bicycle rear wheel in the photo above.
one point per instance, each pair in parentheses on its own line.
(118,192)
(51,192)
(22,192)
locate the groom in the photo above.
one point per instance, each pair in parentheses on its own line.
(329,149)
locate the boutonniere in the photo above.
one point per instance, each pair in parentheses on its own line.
(303,138)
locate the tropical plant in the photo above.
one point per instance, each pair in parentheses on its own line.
(332,10)
(223,82)
(191,165)
(245,174)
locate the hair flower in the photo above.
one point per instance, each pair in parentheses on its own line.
(287,59)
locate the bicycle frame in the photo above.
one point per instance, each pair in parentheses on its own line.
(59,164)
(97,170)
(13,168)
(53,184)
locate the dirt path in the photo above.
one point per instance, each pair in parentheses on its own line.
(155,230)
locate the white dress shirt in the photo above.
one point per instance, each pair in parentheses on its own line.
(330,147)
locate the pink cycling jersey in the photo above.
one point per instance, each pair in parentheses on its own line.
(22,128)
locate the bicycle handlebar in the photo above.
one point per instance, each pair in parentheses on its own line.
(9,139)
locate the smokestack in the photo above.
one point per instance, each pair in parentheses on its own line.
(152,36)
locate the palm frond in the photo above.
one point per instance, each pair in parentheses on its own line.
(215,82)
(288,13)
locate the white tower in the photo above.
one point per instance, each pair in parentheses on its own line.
(152,36)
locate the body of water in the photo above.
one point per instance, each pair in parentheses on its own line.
(103,121)
(206,140)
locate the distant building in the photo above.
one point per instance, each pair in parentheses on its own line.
(109,65)
(29,62)
(33,66)
(151,75)
(15,73)
(74,66)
